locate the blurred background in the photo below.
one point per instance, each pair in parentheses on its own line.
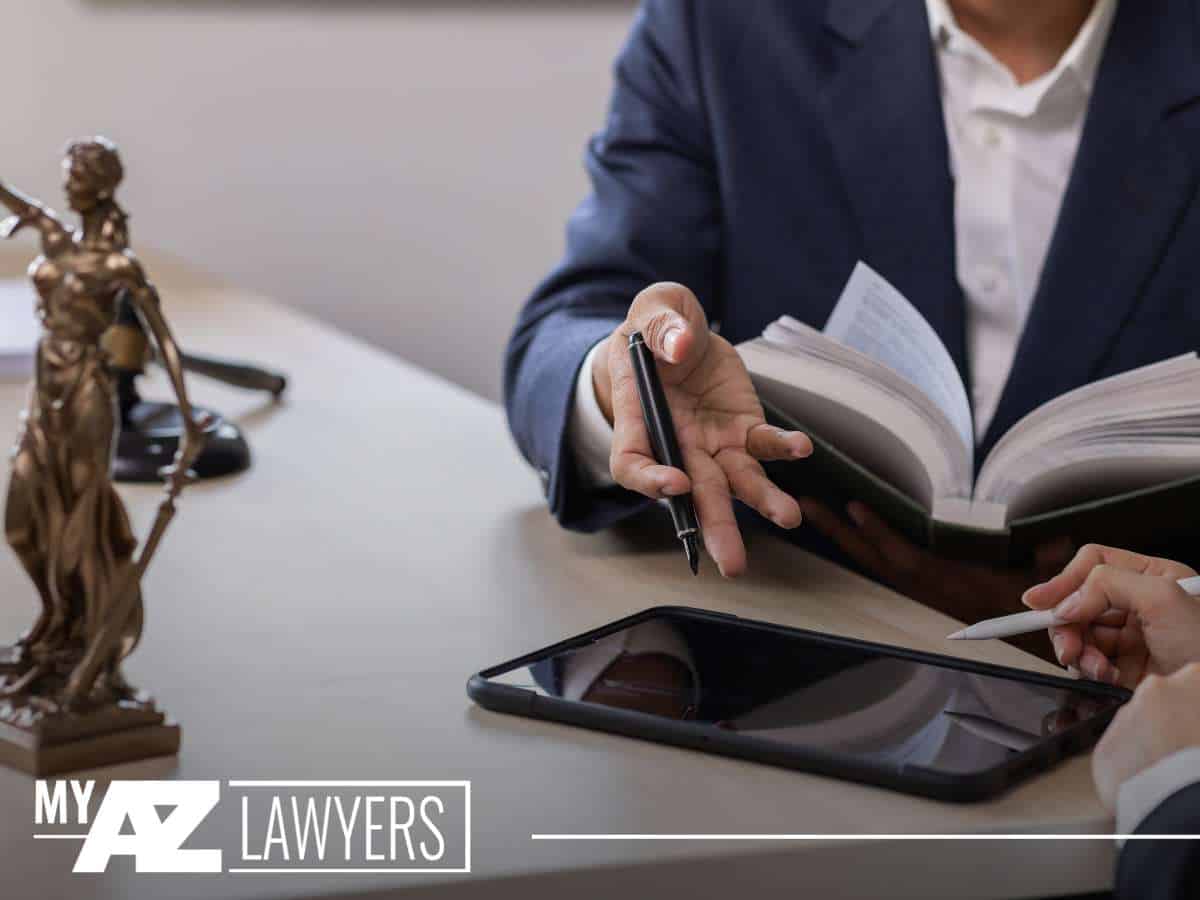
(400,169)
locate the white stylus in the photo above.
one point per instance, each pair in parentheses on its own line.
(1035,620)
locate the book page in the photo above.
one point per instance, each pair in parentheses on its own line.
(875,319)
(1124,433)
(948,464)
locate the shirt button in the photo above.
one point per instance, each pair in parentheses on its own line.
(991,137)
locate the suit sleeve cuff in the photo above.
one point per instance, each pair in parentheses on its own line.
(1141,795)
(589,435)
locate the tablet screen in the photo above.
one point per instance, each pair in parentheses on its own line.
(799,691)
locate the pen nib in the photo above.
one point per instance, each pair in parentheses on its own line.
(693,553)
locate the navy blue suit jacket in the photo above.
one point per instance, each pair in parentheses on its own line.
(1164,870)
(755,151)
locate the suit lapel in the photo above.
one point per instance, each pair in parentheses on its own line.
(884,119)
(1131,183)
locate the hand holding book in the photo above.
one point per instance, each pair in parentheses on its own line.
(1115,461)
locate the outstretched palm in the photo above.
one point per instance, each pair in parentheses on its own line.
(719,420)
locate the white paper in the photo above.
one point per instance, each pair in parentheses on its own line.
(19,330)
(875,319)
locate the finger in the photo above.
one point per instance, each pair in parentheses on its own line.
(673,323)
(1106,639)
(766,442)
(646,477)
(1108,587)
(1131,640)
(847,538)
(898,551)
(1067,641)
(1132,670)
(714,508)
(1133,655)
(1114,619)
(751,485)
(1096,666)
(1053,591)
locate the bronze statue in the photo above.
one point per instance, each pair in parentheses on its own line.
(63,517)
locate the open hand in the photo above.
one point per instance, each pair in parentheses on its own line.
(719,422)
(1127,617)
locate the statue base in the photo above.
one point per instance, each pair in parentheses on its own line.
(38,739)
(150,437)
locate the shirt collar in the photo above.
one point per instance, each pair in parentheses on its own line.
(1082,58)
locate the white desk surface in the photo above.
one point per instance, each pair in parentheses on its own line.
(318,617)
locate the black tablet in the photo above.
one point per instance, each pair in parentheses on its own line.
(915,722)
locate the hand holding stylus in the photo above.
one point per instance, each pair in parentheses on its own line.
(1124,615)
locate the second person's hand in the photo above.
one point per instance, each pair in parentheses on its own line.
(719,421)
(1125,616)
(1162,719)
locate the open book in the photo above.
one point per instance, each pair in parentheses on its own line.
(888,411)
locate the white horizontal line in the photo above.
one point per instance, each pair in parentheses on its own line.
(279,784)
(59,837)
(864,837)
(346,871)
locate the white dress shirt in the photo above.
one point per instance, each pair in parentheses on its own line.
(1012,149)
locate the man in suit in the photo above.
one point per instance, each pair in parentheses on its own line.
(1127,621)
(1024,172)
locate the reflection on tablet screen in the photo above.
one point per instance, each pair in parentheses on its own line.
(795,691)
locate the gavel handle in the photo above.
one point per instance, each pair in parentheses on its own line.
(236,374)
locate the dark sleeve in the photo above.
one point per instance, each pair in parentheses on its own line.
(1164,870)
(652,216)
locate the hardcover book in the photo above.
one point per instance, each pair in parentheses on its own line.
(1116,461)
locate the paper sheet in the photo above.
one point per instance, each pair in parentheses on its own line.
(875,319)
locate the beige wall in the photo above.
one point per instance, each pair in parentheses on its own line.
(400,169)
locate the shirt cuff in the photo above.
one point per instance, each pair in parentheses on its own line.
(1142,794)
(589,435)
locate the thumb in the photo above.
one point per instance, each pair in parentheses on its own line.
(1110,588)
(671,320)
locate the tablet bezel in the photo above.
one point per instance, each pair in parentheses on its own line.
(948,787)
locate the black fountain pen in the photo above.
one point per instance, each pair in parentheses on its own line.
(657,415)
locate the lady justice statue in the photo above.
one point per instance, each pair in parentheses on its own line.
(64,703)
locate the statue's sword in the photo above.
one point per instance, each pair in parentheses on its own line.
(105,642)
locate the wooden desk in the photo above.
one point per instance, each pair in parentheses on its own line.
(318,618)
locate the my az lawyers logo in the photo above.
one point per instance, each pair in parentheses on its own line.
(285,827)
